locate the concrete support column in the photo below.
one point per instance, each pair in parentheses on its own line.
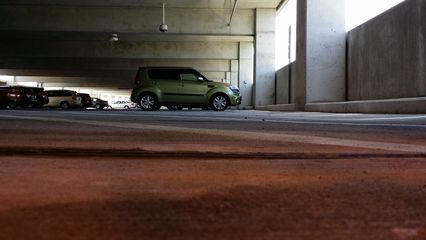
(264,85)
(321,52)
(245,73)
(234,72)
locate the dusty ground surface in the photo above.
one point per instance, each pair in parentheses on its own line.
(61,180)
(95,198)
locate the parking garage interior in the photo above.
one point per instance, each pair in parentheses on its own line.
(328,145)
(95,47)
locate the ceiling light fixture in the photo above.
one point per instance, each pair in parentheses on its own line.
(163,26)
(113,37)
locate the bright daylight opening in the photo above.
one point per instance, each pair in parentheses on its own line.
(357,12)
(360,11)
(5,79)
(286,35)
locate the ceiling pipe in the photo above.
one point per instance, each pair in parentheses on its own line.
(233,12)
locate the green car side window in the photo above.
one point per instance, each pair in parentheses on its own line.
(188,77)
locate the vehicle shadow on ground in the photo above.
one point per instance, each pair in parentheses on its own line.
(345,210)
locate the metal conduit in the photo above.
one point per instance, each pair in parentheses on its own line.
(233,12)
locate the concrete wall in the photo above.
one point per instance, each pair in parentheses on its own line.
(387,55)
(285,86)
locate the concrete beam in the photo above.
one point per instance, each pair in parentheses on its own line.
(110,63)
(122,76)
(150,50)
(126,19)
(209,4)
(74,82)
(104,74)
(17,35)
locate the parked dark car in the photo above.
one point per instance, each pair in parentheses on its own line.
(28,96)
(10,97)
(14,96)
(99,103)
(41,96)
(86,100)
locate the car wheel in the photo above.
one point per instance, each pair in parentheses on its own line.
(11,105)
(174,107)
(126,107)
(219,102)
(64,105)
(148,102)
(98,106)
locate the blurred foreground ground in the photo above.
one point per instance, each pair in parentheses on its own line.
(206,175)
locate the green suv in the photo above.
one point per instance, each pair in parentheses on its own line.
(176,88)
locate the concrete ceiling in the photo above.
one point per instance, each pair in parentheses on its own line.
(212,4)
(63,41)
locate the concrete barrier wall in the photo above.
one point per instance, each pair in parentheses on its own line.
(387,55)
(285,86)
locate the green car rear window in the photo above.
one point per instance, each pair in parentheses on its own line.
(166,74)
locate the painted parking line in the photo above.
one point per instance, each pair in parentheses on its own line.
(332,115)
(393,118)
(255,118)
(284,120)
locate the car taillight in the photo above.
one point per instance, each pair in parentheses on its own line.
(13,94)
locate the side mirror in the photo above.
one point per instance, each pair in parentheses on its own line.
(201,79)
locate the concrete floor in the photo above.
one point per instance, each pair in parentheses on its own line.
(208,175)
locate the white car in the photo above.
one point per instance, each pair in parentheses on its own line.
(123,105)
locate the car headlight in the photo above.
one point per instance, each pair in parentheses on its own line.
(234,89)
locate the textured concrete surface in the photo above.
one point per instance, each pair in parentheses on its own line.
(387,55)
(321,52)
(207,175)
(384,106)
(264,58)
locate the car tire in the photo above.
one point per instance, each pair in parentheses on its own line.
(64,105)
(219,102)
(126,107)
(98,107)
(174,107)
(148,102)
(11,105)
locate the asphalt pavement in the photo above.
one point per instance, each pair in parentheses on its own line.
(194,174)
